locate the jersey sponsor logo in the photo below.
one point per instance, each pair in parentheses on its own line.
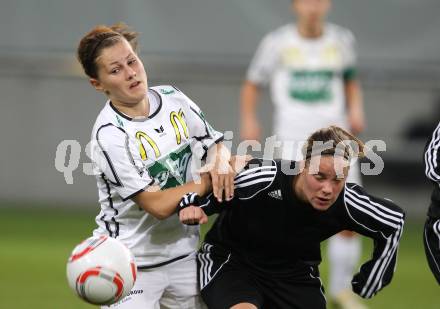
(142,136)
(276,194)
(328,55)
(331,55)
(179,118)
(311,86)
(178,122)
(292,56)
(171,170)
(166,91)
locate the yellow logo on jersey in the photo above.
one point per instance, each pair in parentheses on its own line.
(142,135)
(331,55)
(292,55)
(180,116)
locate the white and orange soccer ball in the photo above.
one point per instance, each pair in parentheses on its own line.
(101,270)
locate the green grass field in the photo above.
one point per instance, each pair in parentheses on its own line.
(35,245)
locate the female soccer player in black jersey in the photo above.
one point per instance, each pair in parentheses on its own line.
(263,250)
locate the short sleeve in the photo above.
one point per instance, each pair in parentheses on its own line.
(114,156)
(348,43)
(264,62)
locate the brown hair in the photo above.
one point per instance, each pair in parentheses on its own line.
(333,141)
(97,39)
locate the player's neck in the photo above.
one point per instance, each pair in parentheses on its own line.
(310,31)
(140,109)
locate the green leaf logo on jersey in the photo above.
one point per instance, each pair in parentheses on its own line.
(171,170)
(311,86)
(119,120)
(165,91)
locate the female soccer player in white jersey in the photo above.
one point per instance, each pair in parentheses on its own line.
(145,140)
(263,250)
(311,69)
(431,237)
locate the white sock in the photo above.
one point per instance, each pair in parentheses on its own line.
(343,254)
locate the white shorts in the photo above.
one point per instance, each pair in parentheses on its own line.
(172,286)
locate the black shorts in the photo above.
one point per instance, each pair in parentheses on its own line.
(226,280)
(431,239)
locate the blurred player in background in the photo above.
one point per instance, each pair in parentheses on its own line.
(432,226)
(311,69)
(145,140)
(263,249)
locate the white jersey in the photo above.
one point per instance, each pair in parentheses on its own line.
(132,154)
(306,78)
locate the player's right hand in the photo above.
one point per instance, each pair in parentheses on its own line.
(221,172)
(193,215)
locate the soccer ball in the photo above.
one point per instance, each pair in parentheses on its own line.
(101,270)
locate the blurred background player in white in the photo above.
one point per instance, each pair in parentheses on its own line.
(145,139)
(431,237)
(310,66)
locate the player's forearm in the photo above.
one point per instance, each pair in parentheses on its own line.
(378,272)
(163,203)
(250,94)
(355,106)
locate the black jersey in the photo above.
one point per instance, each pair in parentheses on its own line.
(432,171)
(270,228)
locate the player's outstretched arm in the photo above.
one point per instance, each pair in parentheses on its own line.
(382,221)
(255,175)
(162,203)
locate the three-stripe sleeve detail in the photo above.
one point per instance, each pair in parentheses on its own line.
(387,218)
(255,180)
(432,153)
(207,201)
